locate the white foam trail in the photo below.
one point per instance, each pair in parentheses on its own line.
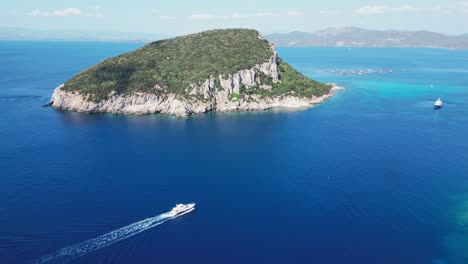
(67,254)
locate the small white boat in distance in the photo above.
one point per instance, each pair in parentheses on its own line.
(181,209)
(438,104)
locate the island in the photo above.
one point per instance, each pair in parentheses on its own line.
(218,70)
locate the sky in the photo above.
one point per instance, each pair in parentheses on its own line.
(177,17)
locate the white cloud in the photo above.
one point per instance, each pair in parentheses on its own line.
(331,12)
(95,12)
(161,16)
(294,14)
(203,16)
(211,16)
(443,9)
(287,14)
(167,17)
(95,15)
(241,16)
(464,6)
(71,11)
(451,9)
(234,16)
(384,9)
(265,14)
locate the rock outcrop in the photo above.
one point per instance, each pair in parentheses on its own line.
(144,103)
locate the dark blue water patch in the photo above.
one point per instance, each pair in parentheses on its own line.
(363,178)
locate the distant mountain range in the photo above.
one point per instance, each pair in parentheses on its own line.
(40,34)
(359,37)
(346,36)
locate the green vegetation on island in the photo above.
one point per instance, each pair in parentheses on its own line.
(294,81)
(177,63)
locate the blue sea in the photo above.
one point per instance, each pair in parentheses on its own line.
(373,175)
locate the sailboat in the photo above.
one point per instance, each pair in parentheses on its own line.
(438,104)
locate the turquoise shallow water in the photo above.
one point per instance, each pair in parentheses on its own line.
(374,175)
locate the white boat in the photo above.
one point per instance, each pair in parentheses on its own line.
(438,104)
(181,209)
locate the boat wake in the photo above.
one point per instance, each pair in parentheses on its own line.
(67,254)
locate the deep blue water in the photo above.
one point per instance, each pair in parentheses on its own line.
(371,176)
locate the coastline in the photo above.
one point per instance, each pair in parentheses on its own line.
(145,103)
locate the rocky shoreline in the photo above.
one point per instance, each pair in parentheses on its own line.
(171,104)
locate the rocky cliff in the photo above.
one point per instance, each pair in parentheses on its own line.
(260,86)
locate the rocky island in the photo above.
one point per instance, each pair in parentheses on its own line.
(218,70)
